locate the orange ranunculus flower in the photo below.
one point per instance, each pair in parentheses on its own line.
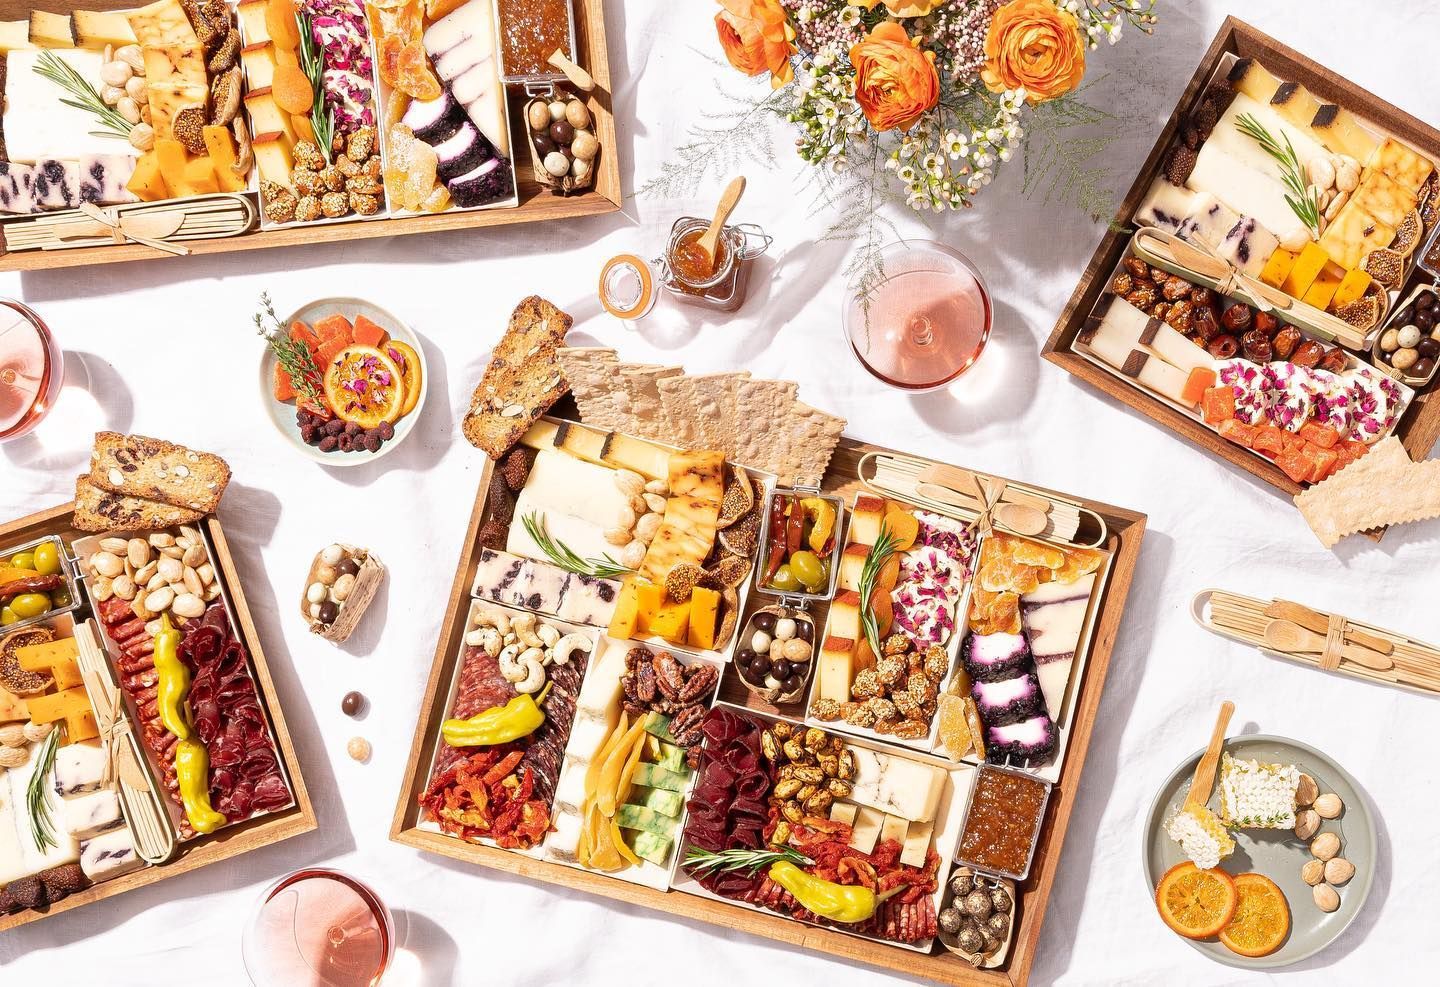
(895,83)
(1035,46)
(757,38)
(900,8)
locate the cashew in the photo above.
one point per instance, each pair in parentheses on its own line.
(524,626)
(485,638)
(568,645)
(534,672)
(488,616)
(549,635)
(509,667)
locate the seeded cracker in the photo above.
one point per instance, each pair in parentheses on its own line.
(522,380)
(590,372)
(1381,488)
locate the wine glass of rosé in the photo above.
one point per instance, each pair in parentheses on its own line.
(925,322)
(318,928)
(32,369)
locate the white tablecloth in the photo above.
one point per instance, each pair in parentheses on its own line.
(169,350)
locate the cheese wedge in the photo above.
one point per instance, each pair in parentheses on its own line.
(96,29)
(162,23)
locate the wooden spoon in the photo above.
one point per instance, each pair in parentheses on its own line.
(1316,621)
(1204,778)
(710,239)
(578,77)
(1286,635)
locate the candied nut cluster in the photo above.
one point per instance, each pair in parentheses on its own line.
(347,185)
(895,696)
(812,770)
(657,682)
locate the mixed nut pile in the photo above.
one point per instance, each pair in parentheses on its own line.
(1326,870)
(159,573)
(656,682)
(813,769)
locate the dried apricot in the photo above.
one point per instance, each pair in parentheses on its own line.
(281,24)
(903,526)
(291,89)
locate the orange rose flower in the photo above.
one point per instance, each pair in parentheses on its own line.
(894,82)
(1035,46)
(757,38)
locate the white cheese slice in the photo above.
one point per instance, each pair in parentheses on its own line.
(12,861)
(579,502)
(1248,246)
(32,860)
(103,178)
(916,844)
(1245,189)
(36,123)
(564,840)
(600,695)
(462,44)
(896,785)
(1054,616)
(1054,681)
(1228,136)
(109,855)
(87,816)
(570,788)
(866,831)
(79,768)
(17,188)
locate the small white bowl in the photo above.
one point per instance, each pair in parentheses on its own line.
(282,413)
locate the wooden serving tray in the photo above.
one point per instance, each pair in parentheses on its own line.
(232,840)
(537,204)
(1126,530)
(1420,426)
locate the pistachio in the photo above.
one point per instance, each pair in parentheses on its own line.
(1306,791)
(1338,870)
(1325,846)
(1307,823)
(1329,806)
(1313,872)
(1326,898)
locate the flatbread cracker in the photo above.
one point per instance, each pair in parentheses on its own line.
(700,409)
(758,407)
(811,439)
(590,372)
(1382,487)
(641,401)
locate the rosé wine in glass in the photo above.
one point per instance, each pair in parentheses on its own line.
(318,928)
(32,369)
(925,322)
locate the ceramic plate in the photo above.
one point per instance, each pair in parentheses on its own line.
(1277,854)
(282,413)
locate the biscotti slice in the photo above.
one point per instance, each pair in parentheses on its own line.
(138,466)
(101,510)
(522,380)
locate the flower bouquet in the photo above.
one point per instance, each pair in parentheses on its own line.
(935,92)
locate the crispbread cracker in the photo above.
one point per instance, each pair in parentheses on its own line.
(640,400)
(101,510)
(590,372)
(522,380)
(758,406)
(701,409)
(1382,487)
(812,436)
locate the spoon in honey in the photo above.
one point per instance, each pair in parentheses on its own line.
(710,240)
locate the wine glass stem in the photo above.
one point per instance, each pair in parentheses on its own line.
(921,331)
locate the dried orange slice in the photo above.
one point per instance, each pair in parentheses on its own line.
(1262,919)
(364,386)
(1196,903)
(409,364)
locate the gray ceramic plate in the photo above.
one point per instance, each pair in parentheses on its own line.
(1277,854)
(282,413)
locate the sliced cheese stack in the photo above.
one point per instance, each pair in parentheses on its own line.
(578,500)
(19,852)
(1151,352)
(462,46)
(1196,216)
(1054,616)
(92,812)
(467,161)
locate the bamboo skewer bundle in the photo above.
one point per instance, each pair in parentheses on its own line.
(1412,662)
(201,217)
(904,476)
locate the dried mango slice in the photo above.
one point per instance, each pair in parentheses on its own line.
(388,51)
(413,75)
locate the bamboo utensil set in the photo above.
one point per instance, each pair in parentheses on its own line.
(1328,641)
(154,224)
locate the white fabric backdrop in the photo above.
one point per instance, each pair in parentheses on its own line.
(169,351)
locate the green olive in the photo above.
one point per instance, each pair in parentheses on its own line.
(30,605)
(23,560)
(784,580)
(807,569)
(8,616)
(60,597)
(47,558)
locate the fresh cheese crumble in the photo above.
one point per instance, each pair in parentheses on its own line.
(1258,796)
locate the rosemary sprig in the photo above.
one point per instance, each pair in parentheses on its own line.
(84,96)
(562,555)
(875,560)
(312,63)
(35,801)
(750,861)
(1302,201)
(293,356)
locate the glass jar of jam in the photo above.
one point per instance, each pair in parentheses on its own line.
(686,273)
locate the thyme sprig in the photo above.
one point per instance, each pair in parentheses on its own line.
(562,555)
(1302,200)
(35,794)
(84,96)
(751,862)
(880,552)
(293,356)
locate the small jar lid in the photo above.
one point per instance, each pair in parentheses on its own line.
(627,287)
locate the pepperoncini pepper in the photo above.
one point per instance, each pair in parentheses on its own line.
(173,680)
(518,718)
(837,902)
(192,772)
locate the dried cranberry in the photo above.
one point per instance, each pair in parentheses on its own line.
(345,442)
(334,427)
(372,442)
(387,431)
(328,443)
(353,428)
(309,434)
